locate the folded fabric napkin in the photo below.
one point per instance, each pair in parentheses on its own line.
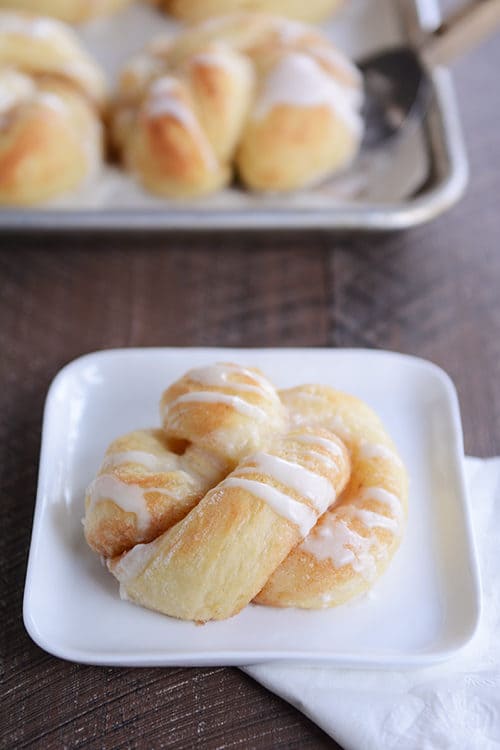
(455,705)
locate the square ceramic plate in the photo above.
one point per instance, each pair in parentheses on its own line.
(424,609)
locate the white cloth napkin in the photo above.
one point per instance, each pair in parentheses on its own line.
(453,706)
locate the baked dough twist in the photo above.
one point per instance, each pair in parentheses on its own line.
(227,409)
(354,542)
(210,565)
(143,488)
(71,11)
(50,96)
(197,10)
(270,98)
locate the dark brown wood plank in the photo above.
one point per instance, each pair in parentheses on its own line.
(432,292)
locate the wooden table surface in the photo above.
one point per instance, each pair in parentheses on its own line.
(432,291)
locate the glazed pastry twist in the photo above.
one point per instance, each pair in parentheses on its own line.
(71,11)
(211,564)
(197,10)
(311,515)
(50,94)
(143,488)
(269,98)
(354,542)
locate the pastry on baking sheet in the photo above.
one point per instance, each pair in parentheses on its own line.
(51,97)
(71,11)
(210,565)
(263,98)
(196,10)
(354,542)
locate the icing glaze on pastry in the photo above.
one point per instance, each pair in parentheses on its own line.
(354,541)
(228,409)
(298,81)
(218,557)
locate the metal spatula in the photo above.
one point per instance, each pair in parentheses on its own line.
(397,85)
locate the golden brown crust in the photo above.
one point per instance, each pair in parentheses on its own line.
(269,98)
(354,542)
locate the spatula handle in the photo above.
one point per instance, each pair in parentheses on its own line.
(462,31)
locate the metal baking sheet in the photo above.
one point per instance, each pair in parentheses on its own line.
(417,178)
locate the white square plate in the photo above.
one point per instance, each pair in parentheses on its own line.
(424,609)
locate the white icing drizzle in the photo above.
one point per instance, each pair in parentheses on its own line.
(220,373)
(148,460)
(329,541)
(298,80)
(334,539)
(302,515)
(215,397)
(15,88)
(382,496)
(317,489)
(326,460)
(330,445)
(228,367)
(378,450)
(373,520)
(133,562)
(53,102)
(353,89)
(163,99)
(129,497)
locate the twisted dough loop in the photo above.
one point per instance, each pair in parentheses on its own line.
(270,98)
(211,564)
(196,10)
(227,409)
(354,542)
(71,11)
(50,132)
(143,488)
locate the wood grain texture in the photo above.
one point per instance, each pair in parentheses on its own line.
(431,292)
